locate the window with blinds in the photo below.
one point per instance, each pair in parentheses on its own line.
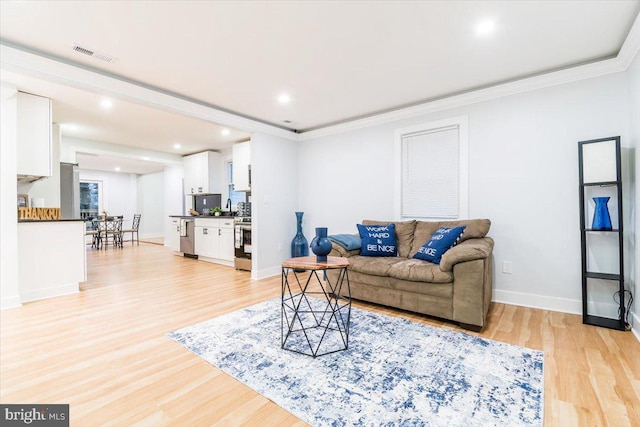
(433,175)
(430,174)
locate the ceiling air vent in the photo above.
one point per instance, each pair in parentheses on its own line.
(92,53)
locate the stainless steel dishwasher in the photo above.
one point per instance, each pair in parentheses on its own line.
(187,238)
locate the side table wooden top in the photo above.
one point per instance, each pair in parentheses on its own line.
(310,263)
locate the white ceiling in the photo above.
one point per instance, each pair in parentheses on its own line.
(337,60)
(117,164)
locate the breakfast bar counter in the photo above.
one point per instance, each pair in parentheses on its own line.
(51,258)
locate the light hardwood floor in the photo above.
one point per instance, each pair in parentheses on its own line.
(104,350)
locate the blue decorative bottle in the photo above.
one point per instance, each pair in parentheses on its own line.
(601,218)
(299,244)
(321,245)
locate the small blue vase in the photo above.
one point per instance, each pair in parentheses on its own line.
(321,245)
(299,244)
(601,218)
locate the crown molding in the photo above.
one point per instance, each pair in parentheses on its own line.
(542,81)
(21,61)
(620,63)
(631,45)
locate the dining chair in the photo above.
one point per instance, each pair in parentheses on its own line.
(134,228)
(94,232)
(113,230)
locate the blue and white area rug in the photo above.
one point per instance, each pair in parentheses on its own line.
(395,372)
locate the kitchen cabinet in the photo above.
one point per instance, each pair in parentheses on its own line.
(33,133)
(214,240)
(173,235)
(202,173)
(242,166)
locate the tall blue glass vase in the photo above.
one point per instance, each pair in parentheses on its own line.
(601,218)
(299,244)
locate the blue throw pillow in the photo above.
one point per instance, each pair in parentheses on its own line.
(440,242)
(378,240)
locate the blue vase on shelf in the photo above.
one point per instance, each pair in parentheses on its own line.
(601,217)
(321,245)
(299,244)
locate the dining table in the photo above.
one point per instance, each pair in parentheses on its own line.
(104,229)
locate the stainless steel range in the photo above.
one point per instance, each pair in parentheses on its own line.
(242,236)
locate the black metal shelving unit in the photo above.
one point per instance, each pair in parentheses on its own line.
(616,279)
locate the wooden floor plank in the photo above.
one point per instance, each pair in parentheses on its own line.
(105,352)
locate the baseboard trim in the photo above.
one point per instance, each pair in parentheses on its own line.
(56,291)
(635,321)
(10,302)
(215,261)
(267,272)
(149,235)
(563,305)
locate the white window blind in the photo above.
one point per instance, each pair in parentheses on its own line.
(431,173)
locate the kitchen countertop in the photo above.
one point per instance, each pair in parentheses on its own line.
(52,220)
(202,216)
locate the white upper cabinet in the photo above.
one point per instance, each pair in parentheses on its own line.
(202,173)
(242,166)
(34,156)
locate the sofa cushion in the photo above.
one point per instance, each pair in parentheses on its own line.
(404,234)
(416,270)
(376,266)
(378,240)
(440,242)
(475,229)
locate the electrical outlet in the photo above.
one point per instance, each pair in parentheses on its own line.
(280,246)
(507,268)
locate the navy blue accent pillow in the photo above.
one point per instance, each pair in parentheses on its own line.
(378,240)
(440,242)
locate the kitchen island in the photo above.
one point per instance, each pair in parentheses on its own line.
(51,258)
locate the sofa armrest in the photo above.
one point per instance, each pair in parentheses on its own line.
(468,250)
(339,250)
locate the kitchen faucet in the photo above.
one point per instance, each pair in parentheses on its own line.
(229,199)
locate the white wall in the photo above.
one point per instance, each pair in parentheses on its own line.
(173,196)
(9,292)
(523,175)
(274,169)
(119,191)
(150,204)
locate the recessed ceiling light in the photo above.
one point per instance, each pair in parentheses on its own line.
(106,104)
(146,158)
(177,146)
(117,168)
(284,98)
(225,132)
(485,27)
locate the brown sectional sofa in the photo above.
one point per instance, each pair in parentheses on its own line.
(458,289)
